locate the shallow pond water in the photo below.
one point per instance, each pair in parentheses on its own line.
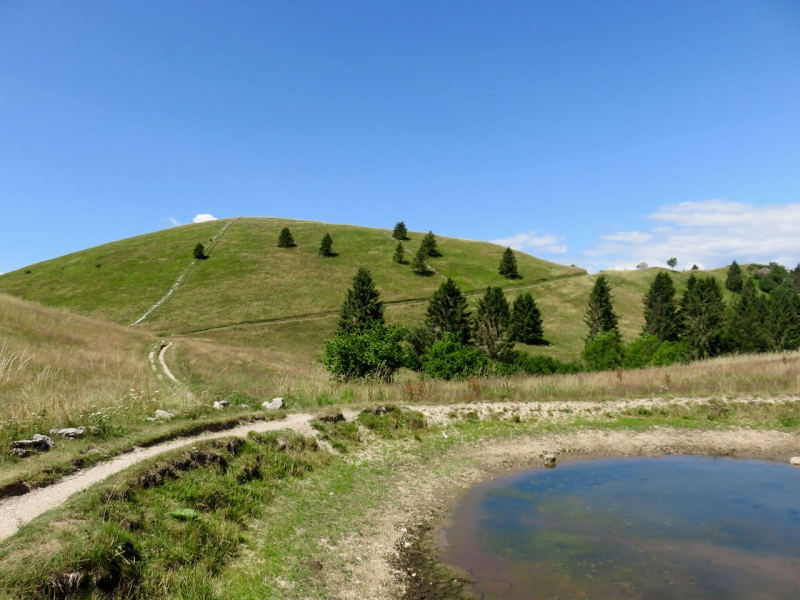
(674,527)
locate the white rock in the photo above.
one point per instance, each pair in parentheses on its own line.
(220,404)
(68,432)
(274,405)
(164,414)
(549,459)
(795,460)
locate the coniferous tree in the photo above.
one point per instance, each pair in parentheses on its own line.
(526,321)
(660,310)
(600,316)
(418,265)
(492,325)
(200,252)
(400,232)
(429,243)
(508,265)
(745,321)
(326,246)
(702,316)
(795,277)
(734,280)
(399,254)
(362,306)
(782,319)
(285,240)
(447,313)
(695,268)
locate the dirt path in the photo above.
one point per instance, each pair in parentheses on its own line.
(19,510)
(164,366)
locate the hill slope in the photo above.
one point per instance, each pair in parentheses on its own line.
(248,278)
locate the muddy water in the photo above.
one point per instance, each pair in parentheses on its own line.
(655,528)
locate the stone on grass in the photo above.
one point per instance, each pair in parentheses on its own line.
(220,404)
(549,460)
(274,405)
(37,443)
(795,460)
(68,432)
(164,414)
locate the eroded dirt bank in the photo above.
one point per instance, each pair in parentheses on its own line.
(386,563)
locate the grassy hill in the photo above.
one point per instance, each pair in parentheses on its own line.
(248,278)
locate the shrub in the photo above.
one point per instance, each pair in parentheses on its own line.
(606,351)
(450,359)
(640,352)
(370,353)
(200,252)
(670,353)
(538,364)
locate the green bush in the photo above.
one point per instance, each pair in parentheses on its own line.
(669,353)
(536,365)
(639,353)
(605,352)
(373,353)
(450,359)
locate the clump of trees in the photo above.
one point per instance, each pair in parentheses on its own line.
(285,239)
(508,265)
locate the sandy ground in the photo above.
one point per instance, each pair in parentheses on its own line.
(422,495)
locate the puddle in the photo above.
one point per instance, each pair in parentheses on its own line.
(655,528)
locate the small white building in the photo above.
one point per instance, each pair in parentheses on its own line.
(642,266)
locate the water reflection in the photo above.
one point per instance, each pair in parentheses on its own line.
(673,527)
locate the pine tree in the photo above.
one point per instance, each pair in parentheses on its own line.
(660,310)
(326,247)
(782,319)
(600,315)
(399,254)
(362,307)
(447,313)
(286,240)
(508,265)
(526,321)
(734,280)
(200,252)
(492,325)
(400,232)
(418,265)
(695,268)
(745,321)
(429,243)
(795,277)
(702,316)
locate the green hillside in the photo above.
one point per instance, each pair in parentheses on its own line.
(248,278)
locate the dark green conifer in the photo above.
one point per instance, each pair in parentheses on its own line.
(782,319)
(362,307)
(526,321)
(418,265)
(734,280)
(200,252)
(795,278)
(399,254)
(492,325)
(326,246)
(745,321)
(660,310)
(702,316)
(285,240)
(430,245)
(508,265)
(400,232)
(600,316)
(447,313)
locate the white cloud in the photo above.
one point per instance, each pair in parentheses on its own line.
(531,241)
(709,234)
(204,217)
(173,222)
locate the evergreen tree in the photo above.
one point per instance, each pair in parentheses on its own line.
(745,321)
(200,252)
(695,268)
(491,325)
(362,307)
(400,232)
(660,311)
(326,247)
(429,243)
(285,240)
(795,278)
(399,254)
(526,321)
(782,319)
(508,265)
(600,315)
(702,315)
(734,280)
(418,265)
(447,313)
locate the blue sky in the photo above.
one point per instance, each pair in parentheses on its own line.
(585,132)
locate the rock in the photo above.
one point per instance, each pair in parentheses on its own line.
(164,414)
(220,404)
(795,460)
(71,433)
(275,404)
(337,418)
(379,410)
(38,443)
(549,460)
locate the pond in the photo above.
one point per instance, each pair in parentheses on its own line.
(674,527)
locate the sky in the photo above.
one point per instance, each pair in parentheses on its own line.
(600,134)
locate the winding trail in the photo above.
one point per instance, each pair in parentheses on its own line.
(164,366)
(20,510)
